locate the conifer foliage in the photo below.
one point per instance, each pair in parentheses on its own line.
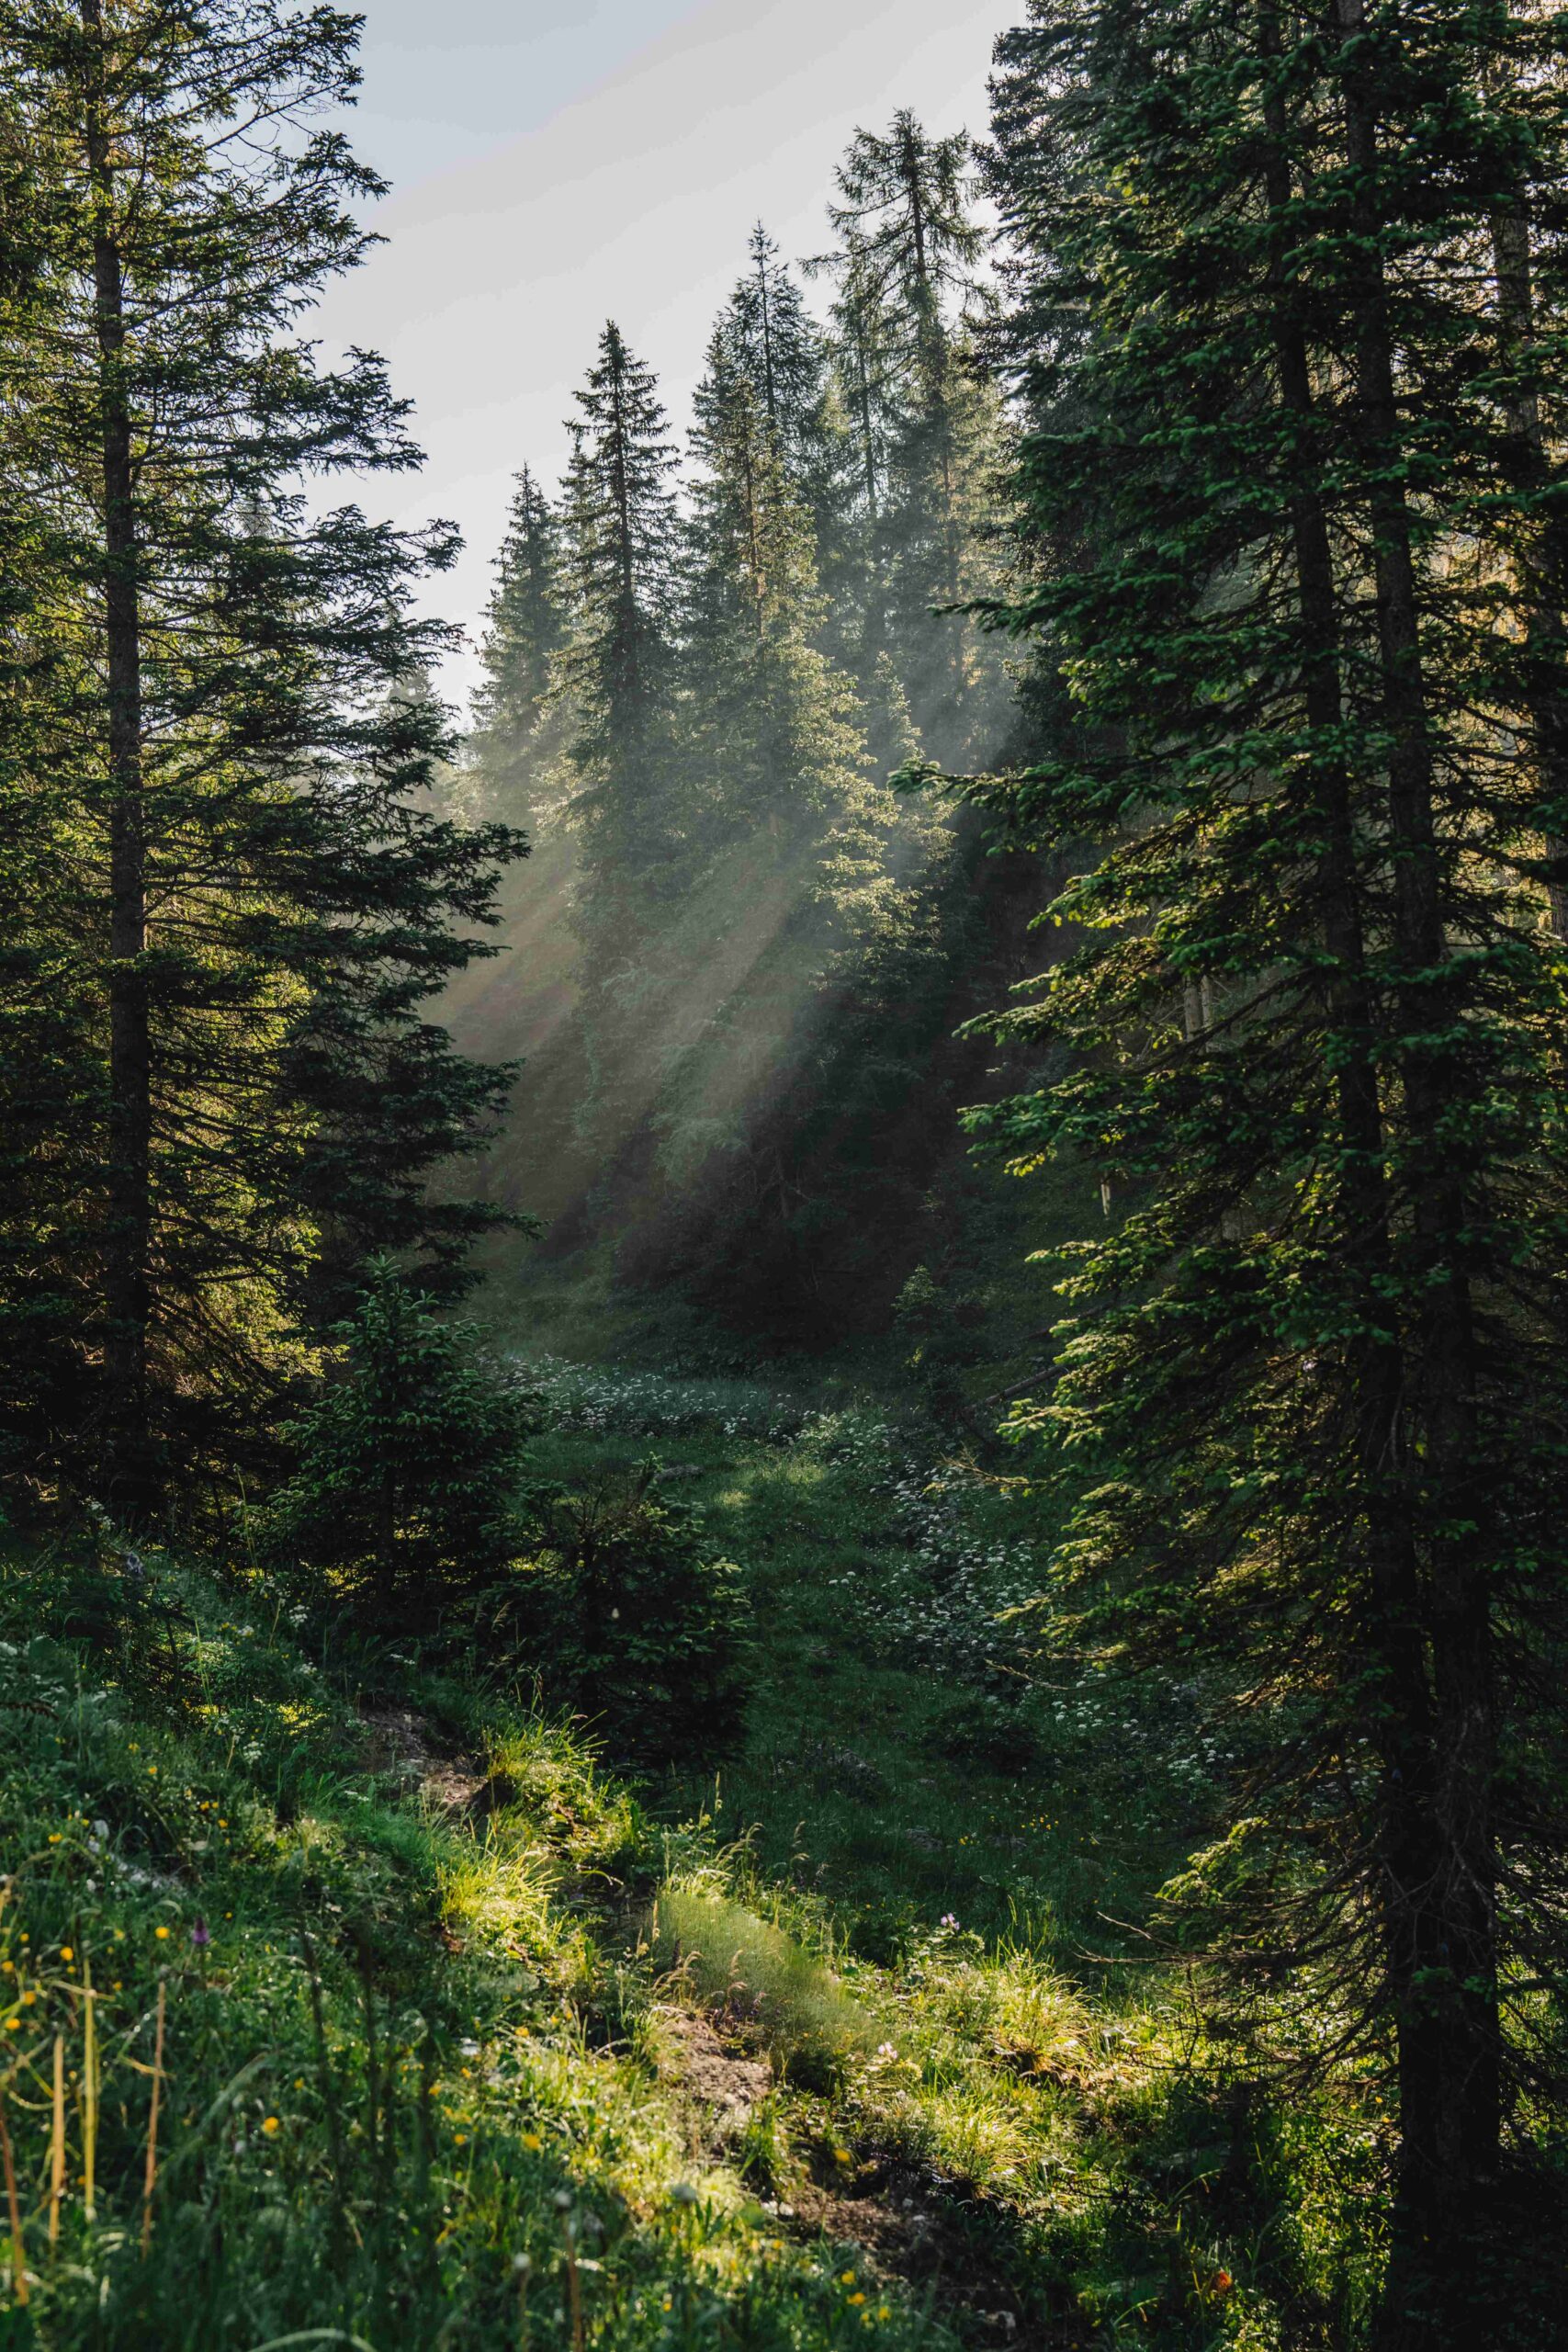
(234,900)
(1287,502)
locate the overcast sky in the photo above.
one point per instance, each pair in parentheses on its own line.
(556,163)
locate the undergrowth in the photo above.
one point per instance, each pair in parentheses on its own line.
(418,1960)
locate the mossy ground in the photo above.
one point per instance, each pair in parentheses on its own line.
(426,2076)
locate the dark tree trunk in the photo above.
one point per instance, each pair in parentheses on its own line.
(1547,591)
(131,1471)
(1438,1861)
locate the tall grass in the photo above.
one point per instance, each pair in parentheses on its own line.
(763,1982)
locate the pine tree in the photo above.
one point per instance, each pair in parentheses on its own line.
(1310,1406)
(524,634)
(242,898)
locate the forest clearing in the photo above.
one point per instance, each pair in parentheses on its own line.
(784,1332)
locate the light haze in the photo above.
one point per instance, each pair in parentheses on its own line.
(559,161)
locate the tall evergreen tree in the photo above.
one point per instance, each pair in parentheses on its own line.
(242,896)
(774,739)
(1281,540)
(618,660)
(775,343)
(923,416)
(524,634)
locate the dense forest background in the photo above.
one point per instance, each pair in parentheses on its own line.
(990,969)
(742,953)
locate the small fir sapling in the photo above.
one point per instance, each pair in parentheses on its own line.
(630,1615)
(410,1461)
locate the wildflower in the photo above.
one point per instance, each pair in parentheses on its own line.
(462,2139)
(55,1836)
(200,1933)
(66,1953)
(886,2050)
(271,2126)
(13,2024)
(842,2156)
(846,2278)
(532,2140)
(947,1920)
(161,1934)
(857,2299)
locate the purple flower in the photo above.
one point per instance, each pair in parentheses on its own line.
(949,1921)
(200,1933)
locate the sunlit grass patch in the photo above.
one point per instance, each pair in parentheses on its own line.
(762,1979)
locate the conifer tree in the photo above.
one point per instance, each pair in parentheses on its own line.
(522,638)
(775,343)
(1311,1403)
(241,894)
(819,853)
(773,740)
(618,660)
(922,417)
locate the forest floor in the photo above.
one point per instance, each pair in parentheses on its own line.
(472,2036)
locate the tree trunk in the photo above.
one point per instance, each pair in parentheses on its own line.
(1439,1863)
(131,1474)
(1545,592)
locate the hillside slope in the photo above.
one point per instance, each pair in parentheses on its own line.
(469,2040)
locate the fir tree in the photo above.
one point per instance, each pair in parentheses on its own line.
(243,900)
(1282,541)
(618,660)
(778,346)
(922,417)
(522,638)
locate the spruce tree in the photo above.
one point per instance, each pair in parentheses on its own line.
(617,664)
(523,636)
(244,901)
(779,347)
(817,867)
(1310,1410)
(923,417)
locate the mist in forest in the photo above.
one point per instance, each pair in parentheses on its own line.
(704,666)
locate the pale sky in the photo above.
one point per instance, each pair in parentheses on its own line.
(557,163)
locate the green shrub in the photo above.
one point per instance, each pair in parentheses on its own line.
(410,1463)
(763,1982)
(630,1617)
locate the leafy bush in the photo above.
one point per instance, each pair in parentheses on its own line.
(411,1462)
(763,1982)
(630,1617)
